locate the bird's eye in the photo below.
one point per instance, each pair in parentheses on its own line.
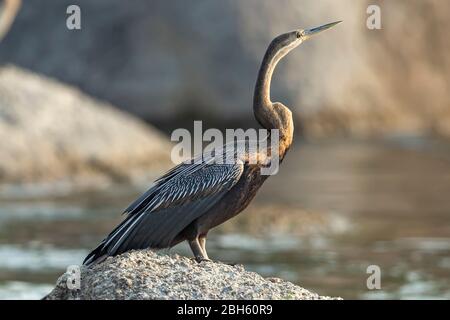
(298,34)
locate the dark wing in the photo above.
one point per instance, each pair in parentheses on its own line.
(170,205)
(179,171)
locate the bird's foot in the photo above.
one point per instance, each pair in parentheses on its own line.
(231,263)
(200,260)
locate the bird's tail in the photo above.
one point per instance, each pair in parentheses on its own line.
(95,256)
(101,252)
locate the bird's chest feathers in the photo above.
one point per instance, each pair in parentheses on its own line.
(244,191)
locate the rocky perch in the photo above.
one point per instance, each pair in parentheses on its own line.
(149,275)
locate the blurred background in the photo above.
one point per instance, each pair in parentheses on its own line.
(86,117)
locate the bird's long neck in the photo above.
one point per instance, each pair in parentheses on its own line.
(266,112)
(261,98)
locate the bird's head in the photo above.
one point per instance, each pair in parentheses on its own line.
(290,40)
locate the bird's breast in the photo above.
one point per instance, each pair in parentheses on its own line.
(237,199)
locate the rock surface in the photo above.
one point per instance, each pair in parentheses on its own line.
(51,131)
(149,275)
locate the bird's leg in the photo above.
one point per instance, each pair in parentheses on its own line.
(202,241)
(197,250)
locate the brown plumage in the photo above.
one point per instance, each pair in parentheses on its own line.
(196,196)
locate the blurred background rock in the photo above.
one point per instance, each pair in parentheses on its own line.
(172,62)
(368,184)
(52,132)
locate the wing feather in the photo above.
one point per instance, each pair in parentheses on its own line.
(170,205)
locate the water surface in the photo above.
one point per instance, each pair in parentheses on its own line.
(335,208)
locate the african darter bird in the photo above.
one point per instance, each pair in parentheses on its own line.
(196,196)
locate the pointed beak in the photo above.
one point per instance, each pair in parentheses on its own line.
(308,33)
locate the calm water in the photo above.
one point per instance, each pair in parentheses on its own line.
(334,209)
